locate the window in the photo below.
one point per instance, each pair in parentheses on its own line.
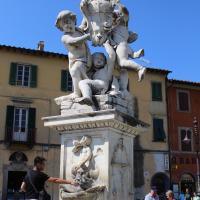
(156,91)
(158,130)
(66,81)
(186,145)
(183,101)
(23,75)
(20,125)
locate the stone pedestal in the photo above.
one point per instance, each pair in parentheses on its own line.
(112,147)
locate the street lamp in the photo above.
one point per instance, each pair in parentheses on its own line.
(196,134)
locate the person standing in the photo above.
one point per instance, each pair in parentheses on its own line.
(170,195)
(181,196)
(35,179)
(195,196)
(153,194)
(187,194)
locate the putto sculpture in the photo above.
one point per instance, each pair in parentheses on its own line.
(95,85)
(105,23)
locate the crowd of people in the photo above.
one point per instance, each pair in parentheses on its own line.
(169,195)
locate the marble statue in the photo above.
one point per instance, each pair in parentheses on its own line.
(98,19)
(120,38)
(120,164)
(101,75)
(105,23)
(98,121)
(78,52)
(84,172)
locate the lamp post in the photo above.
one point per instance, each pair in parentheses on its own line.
(196,134)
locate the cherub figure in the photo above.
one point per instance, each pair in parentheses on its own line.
(120,37)
(78,52)
(101,75)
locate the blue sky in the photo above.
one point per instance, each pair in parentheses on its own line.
(169,30)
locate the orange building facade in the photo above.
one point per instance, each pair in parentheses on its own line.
(183,99)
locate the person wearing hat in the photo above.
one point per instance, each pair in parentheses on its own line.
(152,194)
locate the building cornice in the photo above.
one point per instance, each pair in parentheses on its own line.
(33,52)
(181,83)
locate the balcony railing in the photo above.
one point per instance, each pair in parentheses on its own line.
(30,140)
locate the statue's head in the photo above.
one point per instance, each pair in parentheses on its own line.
(98,60)
(66,21)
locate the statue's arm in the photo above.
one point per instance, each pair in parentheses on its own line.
(74,40)
(111,57)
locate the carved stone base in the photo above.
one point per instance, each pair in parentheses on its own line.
(100,144)
(101,102)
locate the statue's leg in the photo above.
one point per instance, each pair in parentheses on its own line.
(76,74)
(115,87)
(123,80)
(122,57)
(86,90)
(99,87)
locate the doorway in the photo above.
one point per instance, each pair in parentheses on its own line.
(13,176)
(15,179)
(187,181)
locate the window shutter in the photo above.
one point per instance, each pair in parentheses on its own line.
(31,118)
(158,129)
(13,73)
(64,80)
(31,127)
(33,79)
(9,123)
(183,101)
(156,91)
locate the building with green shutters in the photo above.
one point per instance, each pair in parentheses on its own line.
(29,82)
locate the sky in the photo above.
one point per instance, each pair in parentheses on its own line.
(169,30)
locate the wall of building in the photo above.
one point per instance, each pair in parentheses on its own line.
(41,98)
(150,155)
(182,162)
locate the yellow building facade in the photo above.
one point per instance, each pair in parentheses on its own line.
(29,82)
(151,147)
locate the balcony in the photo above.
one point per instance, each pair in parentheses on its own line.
(28,141)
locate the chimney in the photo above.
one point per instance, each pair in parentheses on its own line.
(40,46)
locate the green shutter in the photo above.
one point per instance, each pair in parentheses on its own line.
(156,91)
(158,130)
(9,123)
(64,80)
(33,80)
(31,127)
(13,73)
(31,118)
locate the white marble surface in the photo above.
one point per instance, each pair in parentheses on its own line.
(112,147)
